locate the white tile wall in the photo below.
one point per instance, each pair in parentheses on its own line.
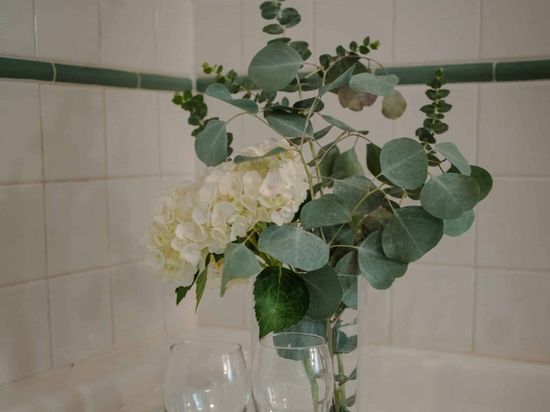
(17,27)
(375,315)
(76,216)
(21,154)
(74,132)
(512,28)
(22,240)
(132,132)
(436,30)
(137,303)
(68,30)
(80,308)
(24,331)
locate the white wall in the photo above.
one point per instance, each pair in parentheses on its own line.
(468,327)
(80,169)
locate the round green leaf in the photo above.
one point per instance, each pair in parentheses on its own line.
(281,299)
(358,193)
(371,83)
(219,91)
(449,195)
(347,164)
(294,246)
(274,29)
(394,105)
(211,143)
(483,179)
(275,66)
(338,123)
(325,211)
(410,233)
(379,270)
(289,125)
(453,155)
(325,293)
(460,225)
(404,162)
(290,17)
(238,262)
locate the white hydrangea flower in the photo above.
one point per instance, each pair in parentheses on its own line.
(200,218)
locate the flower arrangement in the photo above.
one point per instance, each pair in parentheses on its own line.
(299,215)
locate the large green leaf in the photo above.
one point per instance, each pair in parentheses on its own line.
(275,66)
(200,286)
(294,246)
(460,225)
(289,125)
(358,193)
(483,179)
(324,211)
(347,164)
(449,195)
(281,299)
(393,105)
(453,155)
(404,162)
(340,81)
(371,83)
(219,91)
(344,343)
(410,233)
(348,271)
(379,270)
(275,151)
(238,263)
(337,123)
(211,143)
(325,293)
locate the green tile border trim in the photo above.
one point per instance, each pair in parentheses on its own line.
(18,68)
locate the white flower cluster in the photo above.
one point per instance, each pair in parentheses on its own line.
(203,217)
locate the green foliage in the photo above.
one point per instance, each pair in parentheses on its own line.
(281,299)
(219,91)
(200,286)
(275,66)
(393,105)
(325,292)
(404,162)
(380,85)
(289,124)
(273,152)
(460,225)
(453,155)
(449,195)
(324,211)
(239,262)
(211,144)
(484,181)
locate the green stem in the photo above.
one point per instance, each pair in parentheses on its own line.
(313,384)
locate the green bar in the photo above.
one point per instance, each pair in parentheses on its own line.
(530,70)
(12,68)
(454,73)
(68,73)
(158,82)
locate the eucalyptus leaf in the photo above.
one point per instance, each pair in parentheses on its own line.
(294,246)
(181,292)
(324,211)
(325,293)
(211,143)
(344,343)
(337,123)
(393,105)
(410,233)
(200,285)
(449,195)
(379,270)
(347,265)
(358,193)
(273,28)
(370,83)
(219,91)
(460,225)
(275,151)
(453,155)
(281,299)
(289,125)
(321,133)
(483,179)
(373,159)
(347,164)
(348,284)
(404,162)
(340,81)
(239,263)
(275,66)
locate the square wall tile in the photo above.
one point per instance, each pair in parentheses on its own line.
(24,331)
(213,44)
(514,125)
(137,303)
(515,29)
(341,22)
(180,319)
(436,30)
(513,225)
(74,132)
(512,314)
(68,30)
(175,37)
(131,206)
(128,34)
(227,312)
(17,27)
(433,308)
(132,132)
(21,142)
(177,148)
(80,316)
(450,250)
(76,217)
(255,39)
(22,239)
(374,314)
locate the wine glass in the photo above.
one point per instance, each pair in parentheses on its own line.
(292,372)
(206,376)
